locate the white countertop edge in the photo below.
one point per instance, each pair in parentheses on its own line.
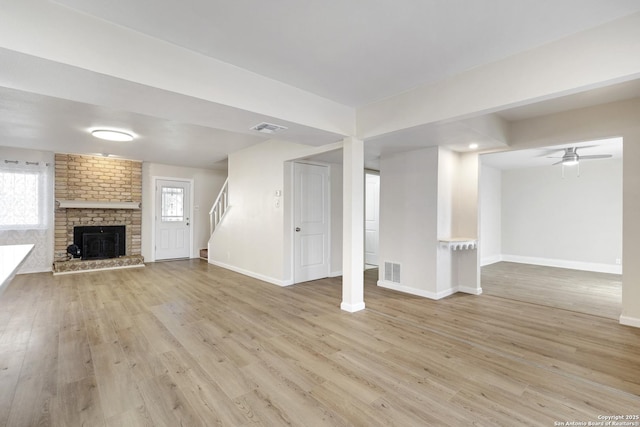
(11,258)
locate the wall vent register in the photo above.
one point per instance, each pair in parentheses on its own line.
(391,272)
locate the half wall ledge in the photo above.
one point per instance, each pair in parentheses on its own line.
(459,243)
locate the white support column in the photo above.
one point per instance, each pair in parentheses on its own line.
(353,226)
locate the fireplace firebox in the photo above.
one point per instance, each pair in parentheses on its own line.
(100,242)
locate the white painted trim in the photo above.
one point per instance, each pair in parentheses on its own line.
(470,290)
(490,260)
(630,321)
(242,271)
(352,308)
(417,292)
(120,267)
(90,204)
(335,273)
(573,265)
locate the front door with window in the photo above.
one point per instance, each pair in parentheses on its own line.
(173,236)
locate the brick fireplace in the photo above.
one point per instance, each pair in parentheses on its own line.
(97,192)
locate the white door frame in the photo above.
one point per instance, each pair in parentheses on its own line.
(291,209)
(154,215)
(373,173)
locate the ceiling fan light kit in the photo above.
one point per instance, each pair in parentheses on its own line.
(572,158)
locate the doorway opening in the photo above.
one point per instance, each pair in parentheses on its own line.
(371,219)
(550,236)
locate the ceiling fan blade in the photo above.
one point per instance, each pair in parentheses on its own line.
(596,156)
(547,152)
(557,163)
(582,147)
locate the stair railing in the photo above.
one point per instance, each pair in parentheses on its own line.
(219,207)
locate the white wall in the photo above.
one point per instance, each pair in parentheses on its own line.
(335,173)
(593,123)
(41,258)
(573,221)
(445,201)
(408,219)
(490,215)
(255,238)
(206,186)
(466,263)
(465,218)
(457,218)
(427,195)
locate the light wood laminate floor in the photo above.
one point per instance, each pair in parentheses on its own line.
(599,294)
(187,343)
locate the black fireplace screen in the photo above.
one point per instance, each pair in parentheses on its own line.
(100,242)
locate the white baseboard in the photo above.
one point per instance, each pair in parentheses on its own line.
(428,294)
(470,290)
(490,260)
(573,265)
(251,274)
(335,273)
(352,308)
(414,291)
(630,321)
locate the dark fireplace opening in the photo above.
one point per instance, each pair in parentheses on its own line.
(100,242)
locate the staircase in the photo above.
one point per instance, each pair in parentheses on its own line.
(216,214)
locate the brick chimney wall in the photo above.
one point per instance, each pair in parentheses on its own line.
(102,179)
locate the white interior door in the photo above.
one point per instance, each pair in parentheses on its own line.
(371,219)
(173,234)
(311,222)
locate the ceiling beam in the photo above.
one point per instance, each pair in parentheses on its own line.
(48,31)
(587,60)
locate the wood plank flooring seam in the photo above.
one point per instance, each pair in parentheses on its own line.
(511,357)
(556,308)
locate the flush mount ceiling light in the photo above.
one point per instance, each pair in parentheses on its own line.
(473,146)
(112,135)
(268,128)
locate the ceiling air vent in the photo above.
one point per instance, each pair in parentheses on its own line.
(268,128)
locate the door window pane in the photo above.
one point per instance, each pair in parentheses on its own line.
(172,204)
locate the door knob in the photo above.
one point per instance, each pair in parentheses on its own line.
(297,229)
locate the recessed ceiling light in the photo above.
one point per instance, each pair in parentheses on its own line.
(112,135)
(473,146)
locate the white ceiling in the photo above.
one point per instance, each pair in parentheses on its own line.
(353,52)
(357,51)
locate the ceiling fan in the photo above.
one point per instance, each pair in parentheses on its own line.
(571,156)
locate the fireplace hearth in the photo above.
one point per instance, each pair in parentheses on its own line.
(100,242)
